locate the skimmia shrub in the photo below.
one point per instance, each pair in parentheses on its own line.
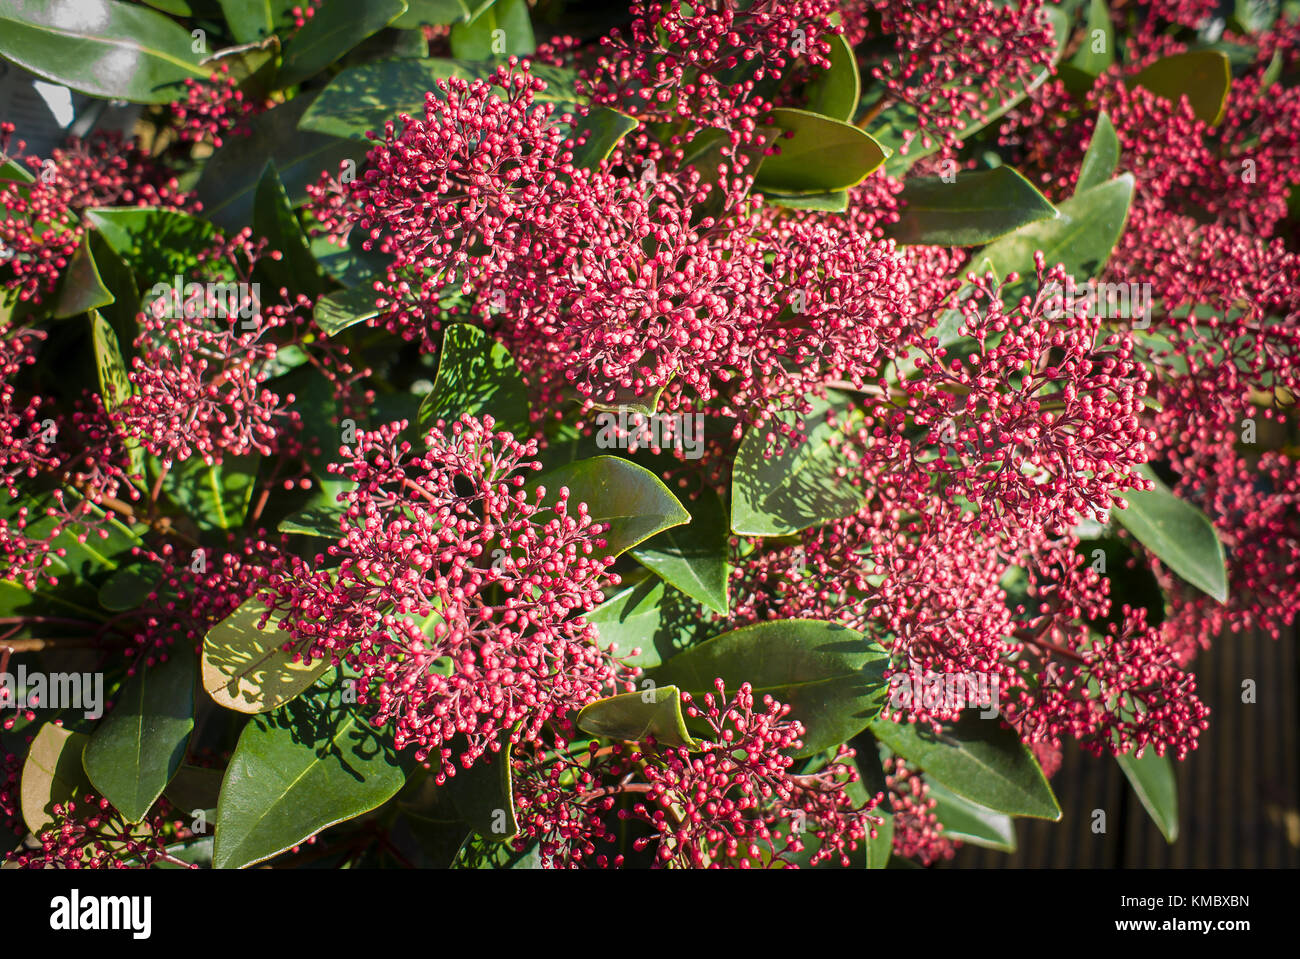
(701,435)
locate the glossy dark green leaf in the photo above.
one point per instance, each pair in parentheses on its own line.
(253,20)
(972,823)
(195,788)
(632,717)
(972,209)
(835,92)
(797,488)
(693,557)
(295,771)
(333,31)
(321,520)
(1203,76)
(129,586)
(336,312)
(228,187)
(216,496)
(348,263)
(52,774)
(817,155)
(1152,778)
(600,131)
(977,759)
(476,375)
(1102,158)
(246,668)
(432,13)
(274,219)
(81,288)
(1097,51)
(136,750)
(628,498)
(103,48)
(479,853)
(1082,237)
(835,201)
(1177,532)
(830,676)
(652,617)
(484,796)
(157,244)
(501,29)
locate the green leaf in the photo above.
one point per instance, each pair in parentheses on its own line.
(484,796)
(1097,52)
(320,520)
(216,496)
(1152,778)
(298,770)
(349,264)
(365,97)
(195,788)
(693,557)
(818,155)
(972,823)
(431,12)
(650,616)
(228,187)
(500,30)
(798,488)
(1102,158)
(1254,16)
(254,20)
(14,172)
(336,312)
(830,676)
(632,717)
(1082,237)
(972,209)
(81,288)
(476,375)
(136,750)
(246,668)
(157,244)
(1177,532)
(274,219)
(628,498)
(835,92)
(479,853)
(129,586)
(107,49)
(333,31)
(977,759)
(52,774)
(1203,76)
(604,129)
(835,201)
(114,383)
